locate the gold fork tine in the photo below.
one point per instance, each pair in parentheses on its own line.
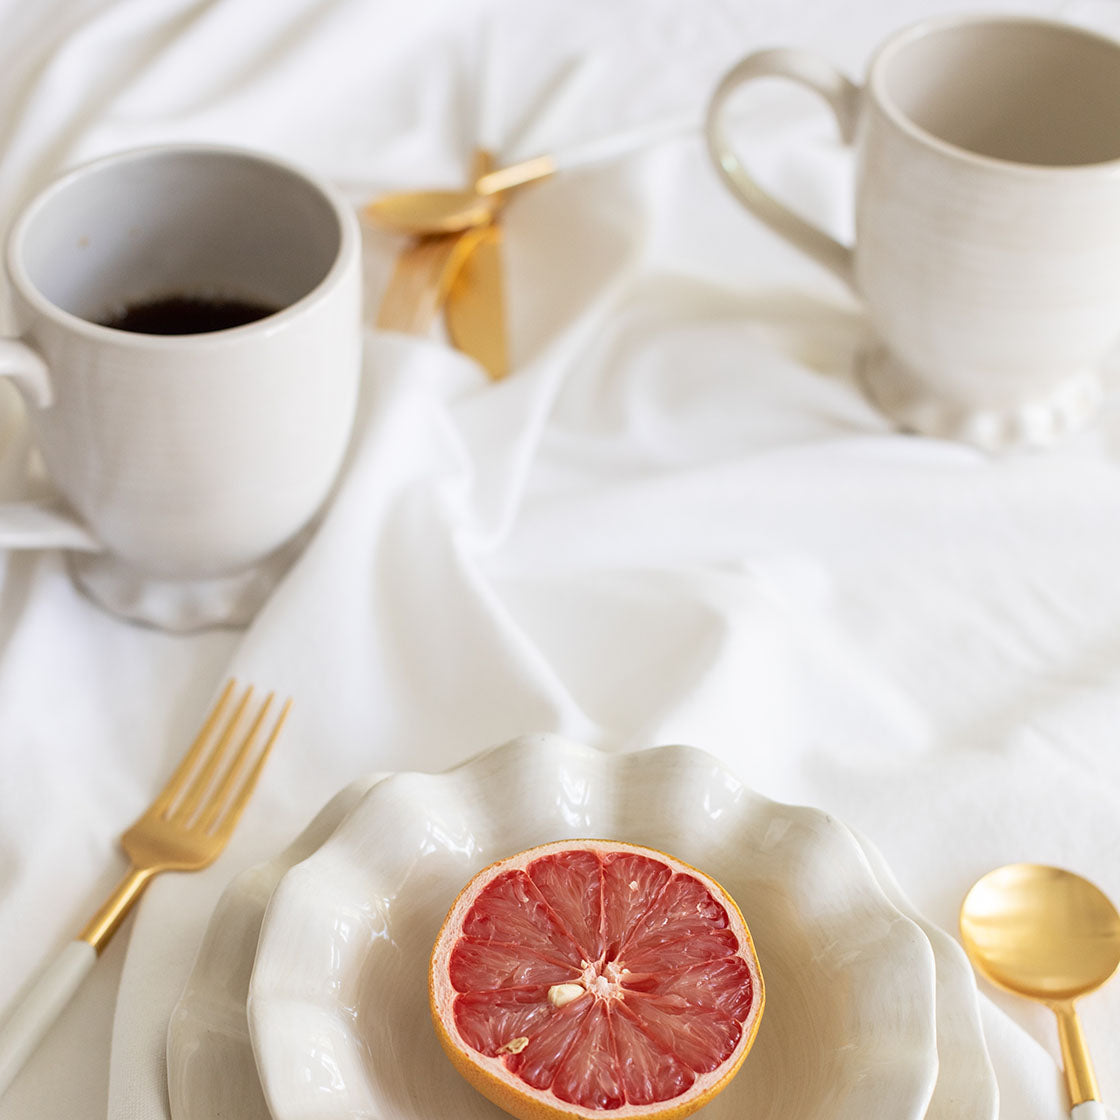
(178,781)
(184,829)
(184,810)
(225,809)
(241,799)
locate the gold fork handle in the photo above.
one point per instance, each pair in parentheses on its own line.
(107,920)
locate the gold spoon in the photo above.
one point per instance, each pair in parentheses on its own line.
(1049,935)
(450,211)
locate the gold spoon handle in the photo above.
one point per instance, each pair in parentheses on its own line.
(1080,1078)
(516,175)
(600,150)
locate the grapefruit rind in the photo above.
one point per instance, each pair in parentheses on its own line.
(490,1076)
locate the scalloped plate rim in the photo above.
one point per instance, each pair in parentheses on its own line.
(265,999)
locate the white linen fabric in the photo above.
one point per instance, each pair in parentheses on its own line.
(678,521)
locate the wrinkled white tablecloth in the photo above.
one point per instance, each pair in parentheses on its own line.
(678,521)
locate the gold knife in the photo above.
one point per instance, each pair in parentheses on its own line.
(475,307)
(422,278)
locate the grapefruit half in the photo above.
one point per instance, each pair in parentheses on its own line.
(592,978)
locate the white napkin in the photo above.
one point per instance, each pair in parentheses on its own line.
(677,522)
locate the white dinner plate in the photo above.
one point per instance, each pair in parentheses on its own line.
(210,1065)
(338,1007)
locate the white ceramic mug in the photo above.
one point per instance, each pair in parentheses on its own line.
(987,244)
(188,460)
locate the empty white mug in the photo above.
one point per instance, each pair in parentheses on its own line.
(987,243)
(188,460)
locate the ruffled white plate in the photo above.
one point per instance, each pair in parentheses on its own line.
(338,1009)
(210,1065)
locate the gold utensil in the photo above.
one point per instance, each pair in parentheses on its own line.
(474,310)
(475,307)
(421,279)
(184,829)
(1052,936)
(446,211)
(462,274)
(426,212)
(482,167)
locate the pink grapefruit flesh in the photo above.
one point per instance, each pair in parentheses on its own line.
(591,977)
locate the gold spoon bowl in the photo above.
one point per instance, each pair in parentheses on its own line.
(1051,936)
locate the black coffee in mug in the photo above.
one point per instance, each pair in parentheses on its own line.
(186,315)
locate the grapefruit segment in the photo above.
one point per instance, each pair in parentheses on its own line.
(722,983)
(516,914)
(631,882)
(652,953)
(538,1062)
(478,965)
(651,1073)
(488,1021)
(573,885)
(592,978)
(589,1073)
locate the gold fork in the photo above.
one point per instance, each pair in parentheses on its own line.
(184,829)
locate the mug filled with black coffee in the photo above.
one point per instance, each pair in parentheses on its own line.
(189,347)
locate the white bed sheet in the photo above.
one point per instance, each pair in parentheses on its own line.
(677,522)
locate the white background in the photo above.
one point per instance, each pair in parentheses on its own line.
(678,521)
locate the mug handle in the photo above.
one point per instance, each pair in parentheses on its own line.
(843,97)
(31,525)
